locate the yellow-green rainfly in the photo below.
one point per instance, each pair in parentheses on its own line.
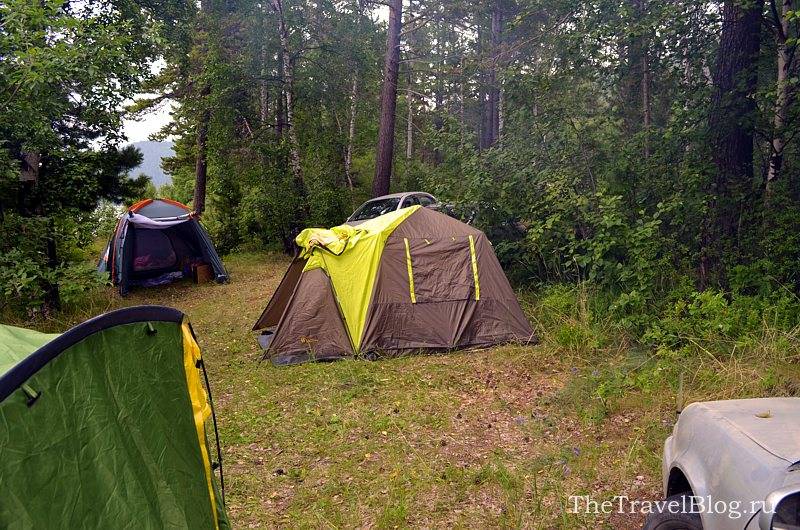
(350,257)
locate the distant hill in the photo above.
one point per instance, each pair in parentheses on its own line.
(153,152)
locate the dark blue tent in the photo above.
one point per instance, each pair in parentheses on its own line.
(158,241)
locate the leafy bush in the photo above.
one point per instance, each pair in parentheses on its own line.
(710,319)
(24,280)
(25,271)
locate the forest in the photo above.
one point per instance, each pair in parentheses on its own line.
(634,163)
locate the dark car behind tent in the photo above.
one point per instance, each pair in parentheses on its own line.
(412,279)
(155,242)
(104,426)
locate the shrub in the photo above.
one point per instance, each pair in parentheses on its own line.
(26,274)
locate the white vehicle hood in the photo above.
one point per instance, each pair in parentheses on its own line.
(771,423)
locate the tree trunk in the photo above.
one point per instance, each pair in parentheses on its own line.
(409,117)
(351,133)
(646,83)
(32,206)
(385,151)
(438,116)
(732,128)
(409,94)
(493,114)
(263,89)
(461,97)
(52,294)
(201,165)
(351,129)
(782,97)
(482,113)
(288,91)
(733,105)
(646,104)
(30,168)
(280,114)
(501,112)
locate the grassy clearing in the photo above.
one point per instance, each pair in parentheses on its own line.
(499,437)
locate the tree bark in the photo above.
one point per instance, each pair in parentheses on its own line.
(385,151)
(201,157)
(288,91)
(201,162)
(782,97)
(29,178)
(280,114)
(733,105)
(351,133)
(351,129)
(409,116)
(263,89)
(52,293)
(646,104)
(732,128)
(438,116)
(501,112)
(646,83)
(409,95)
(30,167)
(493,117)
(461,96)
(480,75)
(490,91)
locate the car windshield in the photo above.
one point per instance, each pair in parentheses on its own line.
(373,209)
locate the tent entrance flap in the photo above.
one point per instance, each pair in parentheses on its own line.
(352,263)
(312,326)
(280,299)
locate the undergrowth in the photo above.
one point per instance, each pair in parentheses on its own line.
(691,346)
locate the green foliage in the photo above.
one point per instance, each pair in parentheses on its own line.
(66,72)
(713,320)
(26,273)
(605,171)
(70,64)
(104,219)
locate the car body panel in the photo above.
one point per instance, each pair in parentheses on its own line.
(735,451)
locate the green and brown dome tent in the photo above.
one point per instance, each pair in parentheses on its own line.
(104,426)
(413,279)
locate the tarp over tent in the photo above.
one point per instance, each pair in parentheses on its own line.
(411,279)
(157,241)
(104,426)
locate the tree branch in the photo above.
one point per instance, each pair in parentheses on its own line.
(777,26)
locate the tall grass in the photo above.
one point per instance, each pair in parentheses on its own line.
(699,346)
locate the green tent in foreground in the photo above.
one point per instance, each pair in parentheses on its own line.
(104,426)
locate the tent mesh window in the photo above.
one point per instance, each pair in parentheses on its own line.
(153,251)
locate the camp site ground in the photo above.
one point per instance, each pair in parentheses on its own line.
(506,437)
(494,437)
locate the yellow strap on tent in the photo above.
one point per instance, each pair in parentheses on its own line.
(474,268)
(410,273)
(201,410)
